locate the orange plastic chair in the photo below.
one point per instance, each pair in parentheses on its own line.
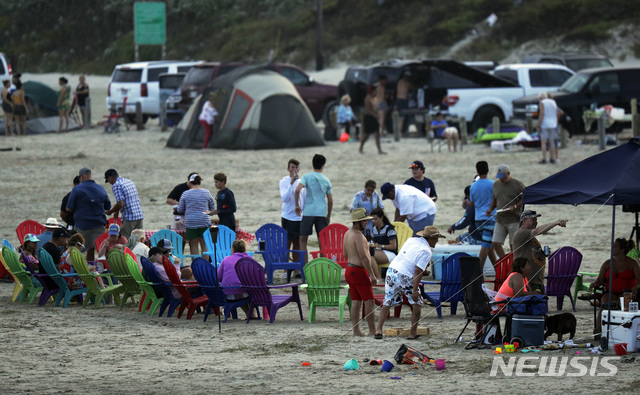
(28,226)
(330,239)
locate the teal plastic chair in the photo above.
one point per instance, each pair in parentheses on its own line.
(176,242)
(65,294)
(226,237)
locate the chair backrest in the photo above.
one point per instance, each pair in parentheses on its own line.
(207,277)
(13,263)
(323,278)
(475,300)
(562,269)
(173,237)
(80,265)
(151,275)
(275,242)
(225,239)
(112,220)
(503,269)
(47,263)
(175,279)
(134,269)
(128,251)
(330,239)
(118,264)
(100,240)
(451,288)
(28,226)
(251,276)
(4,264)
(5,243)
(403,231)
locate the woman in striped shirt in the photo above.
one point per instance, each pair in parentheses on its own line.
(195,204)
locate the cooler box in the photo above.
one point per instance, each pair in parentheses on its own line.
(624,328)
(442,252)
(529,328)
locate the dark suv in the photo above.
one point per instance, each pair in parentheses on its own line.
(573,60)
(320,98)
(586,89)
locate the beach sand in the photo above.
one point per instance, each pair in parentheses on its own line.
(50,349)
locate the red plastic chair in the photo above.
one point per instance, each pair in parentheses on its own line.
(182,287)
(112,221)
(100,240)
(503,269)
(28,226)
(330,239)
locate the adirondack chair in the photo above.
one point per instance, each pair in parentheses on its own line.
(176,241)
(5,243)
(28,226)
(323,286)
(503,269)
(450,286)
(226,237)
(276,254)
(149,300)
(169,303)
(403,232)
(65,293)
(251,275)
(30,287)
(49,287)
(188,302)
(90,280)
(4,272)
(18,287)
(100,240)
(330,239)
(562,269)
(118,265)
(205,274)
(112,221)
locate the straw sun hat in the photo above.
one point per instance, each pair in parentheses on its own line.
(359,214)
(430,232)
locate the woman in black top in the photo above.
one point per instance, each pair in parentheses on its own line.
(385,238)
(82,92)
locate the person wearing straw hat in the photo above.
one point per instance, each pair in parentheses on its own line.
(404,275)
(44,237)
(359,274)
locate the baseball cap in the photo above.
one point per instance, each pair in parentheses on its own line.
(60,232)
(385,189)
(114,230)
(502,171)
(30,237)
(528,214)
(166,244)
(110,173)
(83,171)
(416,164)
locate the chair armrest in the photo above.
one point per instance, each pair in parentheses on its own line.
(315,254)
(209,253)
(299,251)
(260,252)
(290,285)
(304,286)
(587,274)
(70,275)
(192,256)
(424,282)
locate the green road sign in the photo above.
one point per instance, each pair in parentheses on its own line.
(150,23)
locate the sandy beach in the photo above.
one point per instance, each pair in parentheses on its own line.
(109,350)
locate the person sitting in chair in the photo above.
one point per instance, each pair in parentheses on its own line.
(228,278)
(441,129)
(516,284)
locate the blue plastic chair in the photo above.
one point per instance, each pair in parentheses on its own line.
(5,243)
(450,285)
(169,303)
(276,254)
(176,242)
(65,294)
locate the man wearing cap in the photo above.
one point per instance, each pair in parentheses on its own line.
(480,194)
(127,202)
(64,214)
(88,202)
(115,240)
(167,250)
(404,275)
(49,226)
(359,273)
(526,245)
(507,198)
(411,204)
(421,182)
(58,242)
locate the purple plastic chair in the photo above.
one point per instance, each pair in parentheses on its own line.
(251,276)
(563,268)
(49,287)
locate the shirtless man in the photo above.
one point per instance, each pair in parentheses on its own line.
(381,101)
(371,125)
(359,274)
(402,96)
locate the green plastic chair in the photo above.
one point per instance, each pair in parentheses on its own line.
(30,288)
(149,297)
(118,265)
(323,286)
(90,280)
(581,285)
(18,288)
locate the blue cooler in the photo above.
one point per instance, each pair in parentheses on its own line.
(528,328)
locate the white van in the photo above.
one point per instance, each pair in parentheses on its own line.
(138,82)
(5,68)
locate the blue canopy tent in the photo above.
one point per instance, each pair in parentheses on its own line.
(608,178)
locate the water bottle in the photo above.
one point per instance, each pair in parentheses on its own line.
(372,248)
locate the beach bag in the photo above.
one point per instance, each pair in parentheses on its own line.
(528,305)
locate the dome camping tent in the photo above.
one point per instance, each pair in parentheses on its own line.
(258,109)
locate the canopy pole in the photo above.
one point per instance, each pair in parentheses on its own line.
(613,232)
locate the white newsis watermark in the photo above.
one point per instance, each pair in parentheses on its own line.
(554,366)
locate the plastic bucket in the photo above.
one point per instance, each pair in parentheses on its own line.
(621,348)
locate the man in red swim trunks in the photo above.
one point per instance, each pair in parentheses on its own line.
(359,274)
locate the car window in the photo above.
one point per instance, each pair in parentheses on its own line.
(199,75)
(357,75)
(2,71)
(630,81)
(609,83)
(443,79)
(295,76)
(171,81)
(184,69)
(510,75)
(575,83)
(579,64)
(127,75)
(551,60)
(540,77)
(154,73)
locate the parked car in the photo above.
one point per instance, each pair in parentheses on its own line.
(199,77)
(586,89)
(170,85)
(535,77)
(138,82)
(573,60)
(5,68)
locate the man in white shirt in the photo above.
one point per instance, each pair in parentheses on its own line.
(411,204)
(404,275)
(290,221)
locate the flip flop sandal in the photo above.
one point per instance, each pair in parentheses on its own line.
(471,346)
(377,336)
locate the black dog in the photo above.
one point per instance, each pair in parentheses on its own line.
(560,324)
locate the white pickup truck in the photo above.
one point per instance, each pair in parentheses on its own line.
(481,103)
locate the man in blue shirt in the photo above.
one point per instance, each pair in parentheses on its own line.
(481,194)
(127,202)
(316,211)
(88,202)
(421,182)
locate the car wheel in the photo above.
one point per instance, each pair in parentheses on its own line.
(484,117)
(330,109)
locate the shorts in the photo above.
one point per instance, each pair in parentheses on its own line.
(6,107)
(395,285)
(450,131)
(390,255)
(500,232)
(486,227)
(402,104)
(129,226)
(359,283)
(306,225)
(548,134)
(419,225)
(371,124)
(292,228)
(195,233)
(382,106)
(236,296)
(19,109)
(90,236)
